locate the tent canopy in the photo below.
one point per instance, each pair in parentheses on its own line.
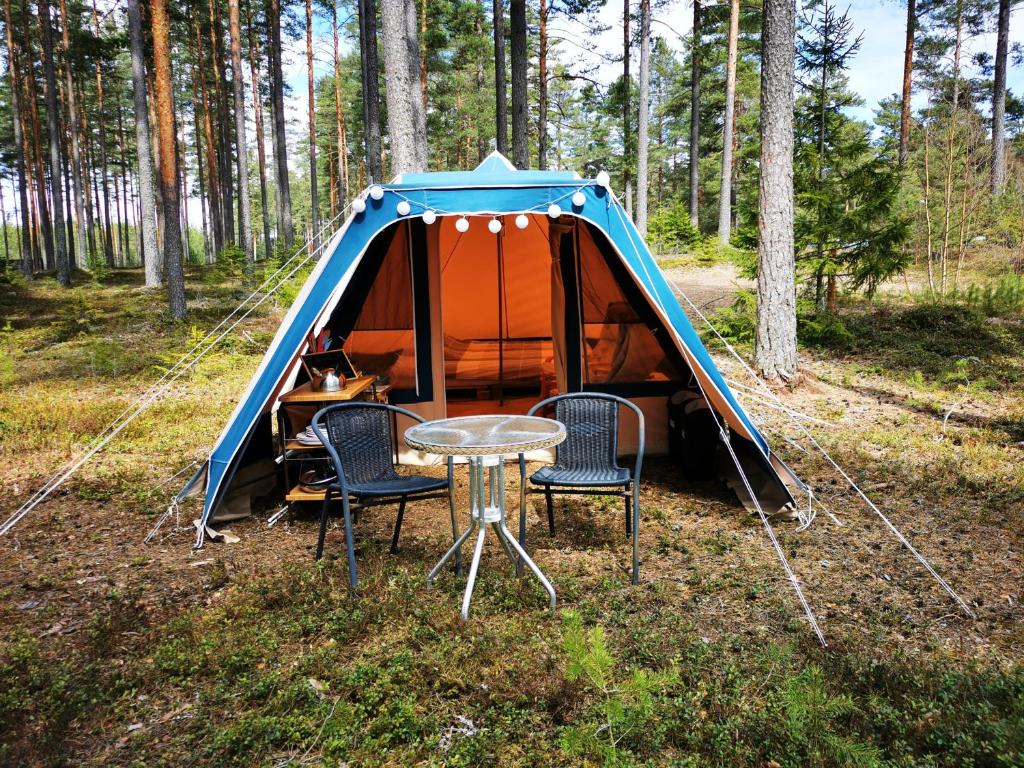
(565,297)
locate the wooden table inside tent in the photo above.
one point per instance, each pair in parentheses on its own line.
(358,388)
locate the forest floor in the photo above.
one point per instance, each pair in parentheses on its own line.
(116,652)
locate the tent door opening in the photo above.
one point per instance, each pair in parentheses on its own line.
(497,301)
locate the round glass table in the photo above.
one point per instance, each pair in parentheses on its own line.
(485,441)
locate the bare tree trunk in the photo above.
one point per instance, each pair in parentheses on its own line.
(626,130)
(212,166)
(406,122)
(775,352)
(73,123)
(542,88)
(339,114)
(18,148)
(223,126)
(314,203)
(951,130)
(34,135)
(481,83)
(371,89)
(147,193)
(284,195)
(908,74)
(423,53)
(999,99)
(53,130)
(500,95)
(725,197)
(695,115)
(164,91)
(108,238)
(520,130)
(261,154)
(242,146)
(642,180)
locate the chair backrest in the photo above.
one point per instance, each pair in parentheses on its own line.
(592,425)
(360,439)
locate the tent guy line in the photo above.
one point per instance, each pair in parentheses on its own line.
(853,485)
(158,389)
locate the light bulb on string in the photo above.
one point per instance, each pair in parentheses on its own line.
(429,217)
(462,224)
(603,179)
(522,221)
(579,199)
(403,208)
(376,192)
(554,210)
(494,225)
(359,205)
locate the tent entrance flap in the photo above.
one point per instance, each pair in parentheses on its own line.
(496,309)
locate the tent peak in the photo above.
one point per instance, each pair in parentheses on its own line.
(495,163)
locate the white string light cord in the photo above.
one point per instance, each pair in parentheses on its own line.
(164,383)
(842,473)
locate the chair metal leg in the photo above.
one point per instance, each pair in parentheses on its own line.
(629,521)
(551,512)
(455,523)
(324,510)
(349,543)
(398,525)
(636,535)
(522,518)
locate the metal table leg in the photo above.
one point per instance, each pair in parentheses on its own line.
(487,508)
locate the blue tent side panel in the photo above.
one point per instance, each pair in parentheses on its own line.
(496,191)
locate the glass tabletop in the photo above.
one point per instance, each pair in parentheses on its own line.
(485,435)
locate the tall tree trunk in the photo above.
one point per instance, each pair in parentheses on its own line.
(73,123)
(908,75)
(314,204)
(520,135)
(53,130)
(695,115)
(108,237)
(284,195)
(261,154)
(725,197)
(481,82)
(999,99)
(34,135)
(242,149)
(147,193)
(406,121)
(643,118)
(775,352)
(500,94)
(339,114)
(627,134)
(18,148)
(164,91)
(542,88)
(423,52)
(224,138)
(212,166)
(371,89)
(951,132)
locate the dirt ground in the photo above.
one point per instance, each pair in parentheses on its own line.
(933,459)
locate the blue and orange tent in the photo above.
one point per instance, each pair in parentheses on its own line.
(482,291)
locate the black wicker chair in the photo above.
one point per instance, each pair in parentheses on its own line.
(586,463)
(360,441)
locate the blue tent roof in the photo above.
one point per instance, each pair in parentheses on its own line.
(494,187)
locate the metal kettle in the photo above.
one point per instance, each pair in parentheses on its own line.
(331,381)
